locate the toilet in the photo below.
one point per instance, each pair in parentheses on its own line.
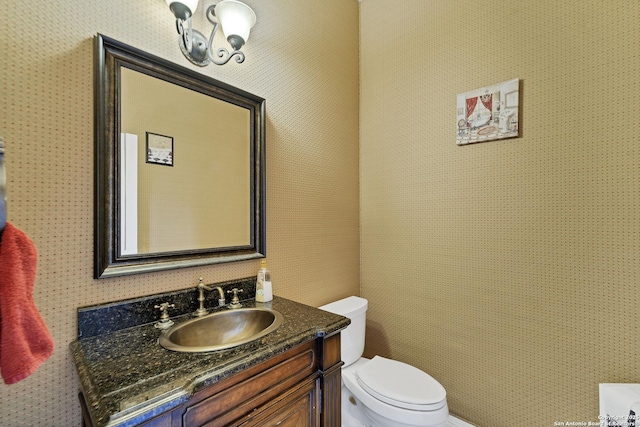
(381,392)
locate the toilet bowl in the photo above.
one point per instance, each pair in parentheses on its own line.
(381,392)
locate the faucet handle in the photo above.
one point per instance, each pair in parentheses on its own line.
(165,322)
(235,301)
(164,308)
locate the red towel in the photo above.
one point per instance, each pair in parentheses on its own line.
(25,341)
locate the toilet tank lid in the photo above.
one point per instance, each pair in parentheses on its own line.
(349,307)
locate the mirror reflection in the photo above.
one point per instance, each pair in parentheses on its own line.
(192,166)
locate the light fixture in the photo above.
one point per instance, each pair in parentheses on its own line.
(235,18)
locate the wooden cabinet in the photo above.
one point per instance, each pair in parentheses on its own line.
(298,408)
(298,388)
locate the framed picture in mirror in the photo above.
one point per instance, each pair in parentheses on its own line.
(159,149)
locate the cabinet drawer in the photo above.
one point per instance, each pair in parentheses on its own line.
(240,397)
(296,408)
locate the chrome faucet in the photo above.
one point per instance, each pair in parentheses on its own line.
(201,311)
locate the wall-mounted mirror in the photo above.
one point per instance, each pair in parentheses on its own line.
(180,166)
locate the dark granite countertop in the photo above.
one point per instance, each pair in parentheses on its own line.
(127,377)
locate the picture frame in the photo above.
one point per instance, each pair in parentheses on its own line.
(159,149)
(488,113)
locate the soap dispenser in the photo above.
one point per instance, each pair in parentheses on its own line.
(264,290)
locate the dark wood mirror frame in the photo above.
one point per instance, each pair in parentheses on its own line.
(110,57)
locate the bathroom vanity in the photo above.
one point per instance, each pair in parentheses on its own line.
(290,377)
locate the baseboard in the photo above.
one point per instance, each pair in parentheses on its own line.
(457,422)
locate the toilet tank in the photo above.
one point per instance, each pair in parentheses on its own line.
(352,337)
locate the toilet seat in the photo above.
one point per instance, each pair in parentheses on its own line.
(435,414)
(401,385)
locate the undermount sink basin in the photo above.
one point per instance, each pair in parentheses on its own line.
(221,330)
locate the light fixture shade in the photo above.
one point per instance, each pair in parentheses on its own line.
(189,4)
(236,18)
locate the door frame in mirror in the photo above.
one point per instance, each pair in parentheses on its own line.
(110,56)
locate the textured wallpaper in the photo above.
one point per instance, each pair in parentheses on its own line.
(301,57)
(508,270)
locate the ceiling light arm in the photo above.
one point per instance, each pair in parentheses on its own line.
(223,55)
(187,37)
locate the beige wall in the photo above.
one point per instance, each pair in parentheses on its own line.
(508,270)
(302,57)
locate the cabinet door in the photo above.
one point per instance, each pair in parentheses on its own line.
(297,408)
(239,397)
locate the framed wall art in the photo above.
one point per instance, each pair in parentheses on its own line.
(488,113)
(159,149)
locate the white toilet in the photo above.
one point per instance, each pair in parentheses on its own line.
(381,392)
